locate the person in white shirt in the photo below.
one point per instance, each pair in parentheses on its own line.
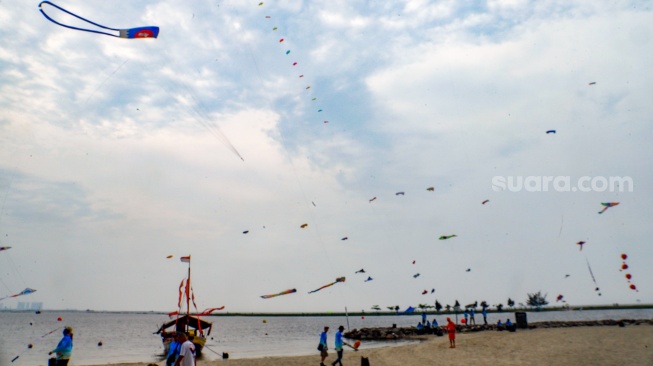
(187,352)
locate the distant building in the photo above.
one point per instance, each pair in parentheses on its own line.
(29,306)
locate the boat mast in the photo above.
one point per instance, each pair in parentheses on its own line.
(188,297)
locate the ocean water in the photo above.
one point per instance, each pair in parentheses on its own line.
(129,337)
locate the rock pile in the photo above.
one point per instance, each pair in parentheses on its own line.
(394,333)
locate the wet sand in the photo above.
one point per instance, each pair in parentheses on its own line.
(600,345)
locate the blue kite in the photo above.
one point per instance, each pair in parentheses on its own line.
(130,33)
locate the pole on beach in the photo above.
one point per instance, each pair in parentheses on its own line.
(347,316)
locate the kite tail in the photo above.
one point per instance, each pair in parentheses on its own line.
(76,16)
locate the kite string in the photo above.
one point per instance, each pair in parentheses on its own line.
(201,116)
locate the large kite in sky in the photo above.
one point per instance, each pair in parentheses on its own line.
(130,33)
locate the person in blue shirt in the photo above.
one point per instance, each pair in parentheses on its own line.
(435,323)
(471,317)
(485,316)
(173,352)
(323,344)
(508,323)
(339,344)
(64,348)
(420,326)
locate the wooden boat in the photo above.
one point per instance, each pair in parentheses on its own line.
(196,328)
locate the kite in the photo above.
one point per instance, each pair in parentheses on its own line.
(484,202)
(413,262)
(592,83)
(581,244)
(400,193)
(368,279)
(372,199)
(567,275)
(210,310)
(592,274)
(245,232)
(26,291)
(550,131)
(288,52)
(432,290)
(628,277)
(130,33)
(624,266)
(281,40)
(355,346)
(624,256)
(559,298)
(170,256)
(607,205)
(339,279)
(345,238)
(303,225)
(376,307)
(362,270)
(416,275)
(468,270)
(445,237)
(424,292)
(430,189)
(4,248)
(286,292)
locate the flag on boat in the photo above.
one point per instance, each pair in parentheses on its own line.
(185,259)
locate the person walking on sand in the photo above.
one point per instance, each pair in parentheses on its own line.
(323,346)
(339,346)
(451,330)
(186,352)
(64,348)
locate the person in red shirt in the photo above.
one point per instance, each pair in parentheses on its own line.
(451,330)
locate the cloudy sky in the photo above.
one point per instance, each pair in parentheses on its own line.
(115,153)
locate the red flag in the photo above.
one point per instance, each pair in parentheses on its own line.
(185,259)
(209,311)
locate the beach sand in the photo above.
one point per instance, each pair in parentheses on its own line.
(600,345)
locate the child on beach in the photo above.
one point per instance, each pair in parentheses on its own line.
(451,330)
(323,344)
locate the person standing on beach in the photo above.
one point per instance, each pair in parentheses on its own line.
(339,344)
(451,330)
(186,352)
(323,343)
(485,316)
(64,348)
(173,352)
(471,317)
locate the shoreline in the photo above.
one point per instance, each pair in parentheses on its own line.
(581,345)
(354,313)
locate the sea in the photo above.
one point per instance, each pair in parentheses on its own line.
(103,338)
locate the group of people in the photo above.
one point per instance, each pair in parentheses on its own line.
(322,346)
(181,351)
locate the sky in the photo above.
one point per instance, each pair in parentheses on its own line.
(117,153)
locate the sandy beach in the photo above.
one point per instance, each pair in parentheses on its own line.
(601,345)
